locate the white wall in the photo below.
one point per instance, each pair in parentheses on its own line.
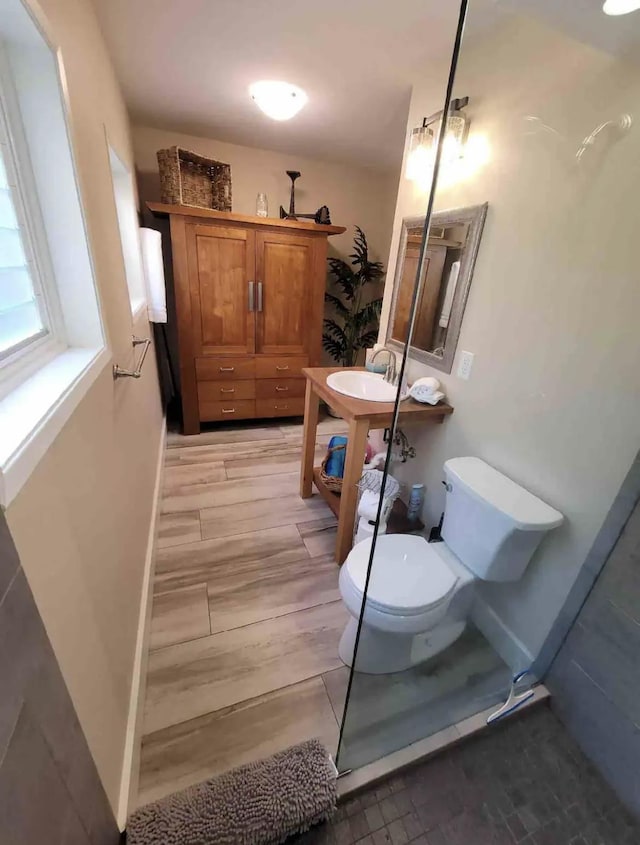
(81,522)
(355,196)
(553,400)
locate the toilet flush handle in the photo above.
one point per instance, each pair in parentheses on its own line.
(448,486)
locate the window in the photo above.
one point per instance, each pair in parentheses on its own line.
(29,314)
(22,320)
(126,209)
(52,344)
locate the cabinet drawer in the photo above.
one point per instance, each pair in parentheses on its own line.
(279,366)
(225,391)
(279,407)
(233,409)
(221,369)
(280,388)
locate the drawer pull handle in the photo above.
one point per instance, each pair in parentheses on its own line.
(280,407)
(282,389)
(226,369)
(280,369)
(228,410)
(227,390)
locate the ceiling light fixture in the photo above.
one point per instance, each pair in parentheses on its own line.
(620,7)
(278,100)
(422,144)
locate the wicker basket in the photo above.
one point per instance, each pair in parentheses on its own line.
(187,178)
(331,482)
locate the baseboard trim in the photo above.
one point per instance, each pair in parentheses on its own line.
(512,650)
(131,757)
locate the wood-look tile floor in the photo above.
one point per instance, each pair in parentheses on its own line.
(246,612)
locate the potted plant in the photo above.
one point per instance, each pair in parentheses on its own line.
(357,316)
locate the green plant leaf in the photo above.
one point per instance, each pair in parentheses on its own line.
(367,339)
(336,330)
(369,313)
(359,328)
(337,303)
(333,348)
(343,276)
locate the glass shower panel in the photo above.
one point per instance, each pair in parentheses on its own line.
(515,285)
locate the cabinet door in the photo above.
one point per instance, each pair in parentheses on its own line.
(222,284)
(285,276)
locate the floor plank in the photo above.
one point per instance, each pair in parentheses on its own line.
(267,465)
(179,616)
(228,520)
(177,528)
(235,434)
(271,589)
(188,680)
(181,755)
(198,496)
(196,563)
(319,536)
(256,449)
(174,478)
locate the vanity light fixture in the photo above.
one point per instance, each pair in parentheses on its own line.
(423,140)
(620,7)
(278,100)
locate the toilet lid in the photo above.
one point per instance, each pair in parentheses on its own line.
(407,575)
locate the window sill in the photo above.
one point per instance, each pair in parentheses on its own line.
(33,414)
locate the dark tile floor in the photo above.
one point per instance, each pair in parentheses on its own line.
(525,782)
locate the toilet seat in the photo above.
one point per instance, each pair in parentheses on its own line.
(408,578)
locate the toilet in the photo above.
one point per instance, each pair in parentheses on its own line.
(420,594)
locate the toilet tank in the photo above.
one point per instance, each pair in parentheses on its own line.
(491,523)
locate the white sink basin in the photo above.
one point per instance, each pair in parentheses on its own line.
(363,385)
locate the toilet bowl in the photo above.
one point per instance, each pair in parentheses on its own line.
(418,599)
(419,595)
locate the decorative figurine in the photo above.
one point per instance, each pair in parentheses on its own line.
(293,175)
(322,215)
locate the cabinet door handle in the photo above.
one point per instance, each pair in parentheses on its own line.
(227,390)
(280,369)
(281,389)
(252,296)
(228,410)
(260,296)
(226,369)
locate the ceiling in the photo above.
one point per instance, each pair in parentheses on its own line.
(186,64)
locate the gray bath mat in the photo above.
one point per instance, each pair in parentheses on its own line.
(258,804)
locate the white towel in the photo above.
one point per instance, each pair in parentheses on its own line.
(452,281)
(151,244)
(432,398)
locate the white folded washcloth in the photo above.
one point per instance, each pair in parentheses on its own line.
(427,390)
(432,398)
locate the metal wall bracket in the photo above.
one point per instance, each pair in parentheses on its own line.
(119,372)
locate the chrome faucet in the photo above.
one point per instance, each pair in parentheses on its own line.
(390,373)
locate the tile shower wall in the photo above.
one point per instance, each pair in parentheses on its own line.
(595,679)
(49,787)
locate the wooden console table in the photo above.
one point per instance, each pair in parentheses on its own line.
(362,416)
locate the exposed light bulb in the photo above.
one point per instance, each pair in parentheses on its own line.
(420,156)
(620,7)
(278,100)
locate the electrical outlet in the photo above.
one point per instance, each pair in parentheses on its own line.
(465,364)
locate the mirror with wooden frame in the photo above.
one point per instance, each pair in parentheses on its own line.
(447,271)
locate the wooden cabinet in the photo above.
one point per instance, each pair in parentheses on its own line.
(249,296)
(221,269)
